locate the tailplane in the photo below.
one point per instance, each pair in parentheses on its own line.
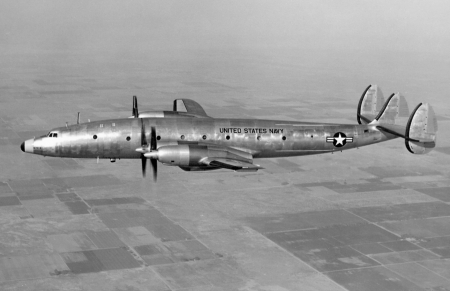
(421,126)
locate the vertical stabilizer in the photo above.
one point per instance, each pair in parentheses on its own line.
(369,104)
(394,107)
(421,130)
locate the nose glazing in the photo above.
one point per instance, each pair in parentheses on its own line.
(22,147)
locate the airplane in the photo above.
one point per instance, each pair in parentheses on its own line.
(194,141)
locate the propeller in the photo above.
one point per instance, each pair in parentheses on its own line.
(148,148)
(155,169)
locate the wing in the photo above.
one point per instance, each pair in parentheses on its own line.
(231,164)
(192,107)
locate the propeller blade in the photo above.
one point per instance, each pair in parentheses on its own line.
(154,163)
(135,107)
(153,139)
(144,144)
(144,165)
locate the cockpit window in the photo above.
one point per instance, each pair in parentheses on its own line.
(55,135)
(51,134)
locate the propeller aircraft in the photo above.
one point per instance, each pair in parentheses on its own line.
(194,141)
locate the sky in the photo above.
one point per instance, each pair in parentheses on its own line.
(410,26)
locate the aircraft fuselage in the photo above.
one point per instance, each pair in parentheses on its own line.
(119,138)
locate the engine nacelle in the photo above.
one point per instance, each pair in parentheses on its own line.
(174,155)
(192,155)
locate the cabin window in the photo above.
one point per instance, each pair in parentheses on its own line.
(312,136)
(204,136)
(283,138)
(158,137)
(182,137)
(95,136)
(259,137)
(101,125)
(128,138)
(227,137)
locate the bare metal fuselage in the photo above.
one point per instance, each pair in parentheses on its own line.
(194,141)
(119,138)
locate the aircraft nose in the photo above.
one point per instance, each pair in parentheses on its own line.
(27,146)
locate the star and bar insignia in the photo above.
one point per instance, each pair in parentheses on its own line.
(339,139)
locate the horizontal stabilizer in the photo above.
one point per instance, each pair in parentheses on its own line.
(397,130)
(369,105)
(400,131)
(235,165)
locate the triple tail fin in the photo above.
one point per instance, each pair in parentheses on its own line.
(421,127)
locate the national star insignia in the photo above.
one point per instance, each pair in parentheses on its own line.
(339,139)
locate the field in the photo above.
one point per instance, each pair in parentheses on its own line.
(374,218)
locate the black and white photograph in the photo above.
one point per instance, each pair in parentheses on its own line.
(206,145)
